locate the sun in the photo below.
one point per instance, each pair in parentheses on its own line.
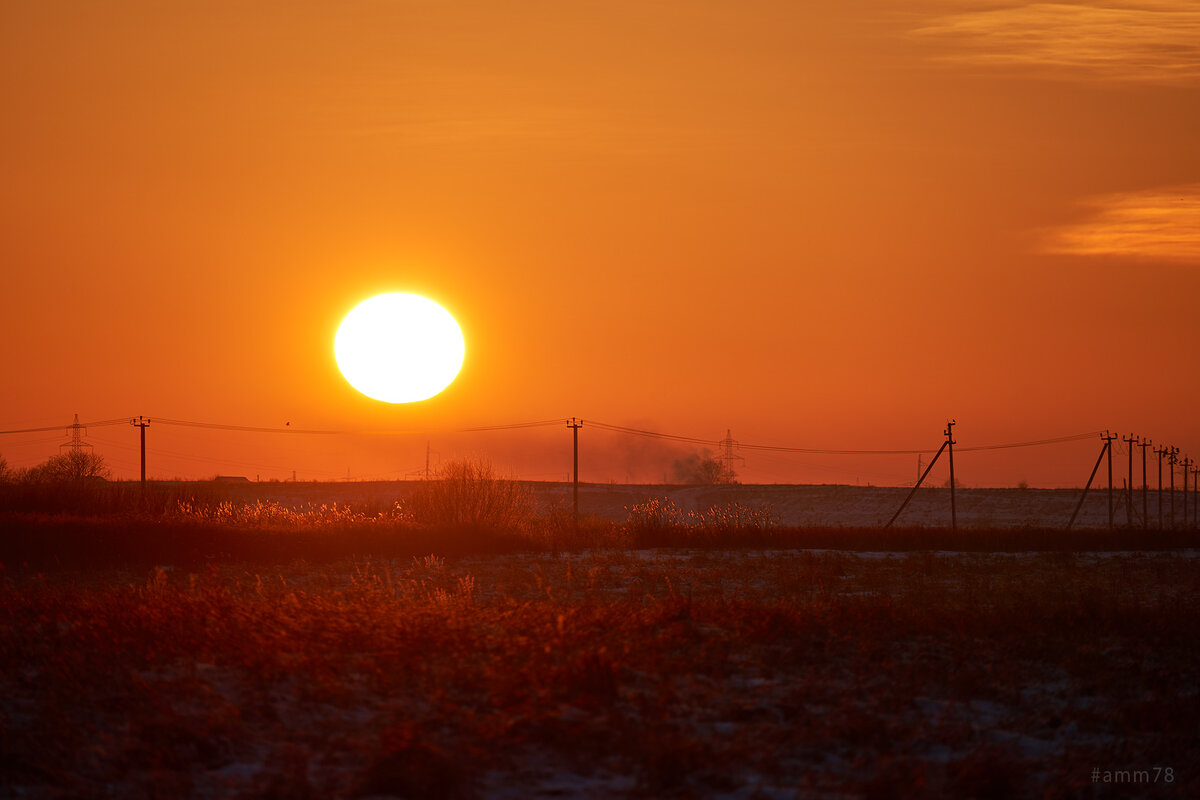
(399,348)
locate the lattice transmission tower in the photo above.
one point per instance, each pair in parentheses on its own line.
(76,432)
(728,456)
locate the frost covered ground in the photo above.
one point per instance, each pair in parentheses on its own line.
(794,505)
(608,673)
(867,506)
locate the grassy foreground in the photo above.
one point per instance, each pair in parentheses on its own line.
(605,673)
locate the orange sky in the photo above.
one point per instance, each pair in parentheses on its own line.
(826,225)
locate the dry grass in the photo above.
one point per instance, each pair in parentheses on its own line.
(468,494)
(683,673)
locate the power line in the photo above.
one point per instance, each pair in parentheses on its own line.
(179,423)
(99,424)
(1078,437)
(359,432)
(651,434)
(558,421)
(823,451)
(540,424)
(171,454)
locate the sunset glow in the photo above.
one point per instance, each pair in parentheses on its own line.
(823,226)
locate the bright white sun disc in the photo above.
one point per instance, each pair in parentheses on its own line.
(399,348)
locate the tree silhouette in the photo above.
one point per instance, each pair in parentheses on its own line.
(72,465)
(701,469)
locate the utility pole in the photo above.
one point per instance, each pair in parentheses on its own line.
(1187,463)
(143,423)
(575,425)
(1160,451)
(1195,519)
(1131,442)
(1145,503)
(1108,440)
(1172,460)
(950,452)
(1195,497)
(426,460)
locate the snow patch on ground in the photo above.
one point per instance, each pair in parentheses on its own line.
(869,506)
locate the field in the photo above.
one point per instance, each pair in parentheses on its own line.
(257,652)
(795,506)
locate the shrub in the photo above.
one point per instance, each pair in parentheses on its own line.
(656,514)
(274,515)
(659,522)
(467,493)
(735,516)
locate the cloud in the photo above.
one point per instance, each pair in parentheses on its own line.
(1161,224)
(1144,42)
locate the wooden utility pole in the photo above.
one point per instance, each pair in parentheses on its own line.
(1131,442)
(1196,497)
(1145,502)
(575,425)
(143,423)
(1108,440)
(1187,463)
(1160,451)
(1172,460)
(950,454)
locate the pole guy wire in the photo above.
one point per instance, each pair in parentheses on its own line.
(1104,450)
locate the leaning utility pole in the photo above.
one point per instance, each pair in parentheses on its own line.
(575,426)
(1145,503)
(917,485)
(950,453)
(1087,486)
(1132,442)
(143,423)
(1108,439)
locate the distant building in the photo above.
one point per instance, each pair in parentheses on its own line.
(231,479)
